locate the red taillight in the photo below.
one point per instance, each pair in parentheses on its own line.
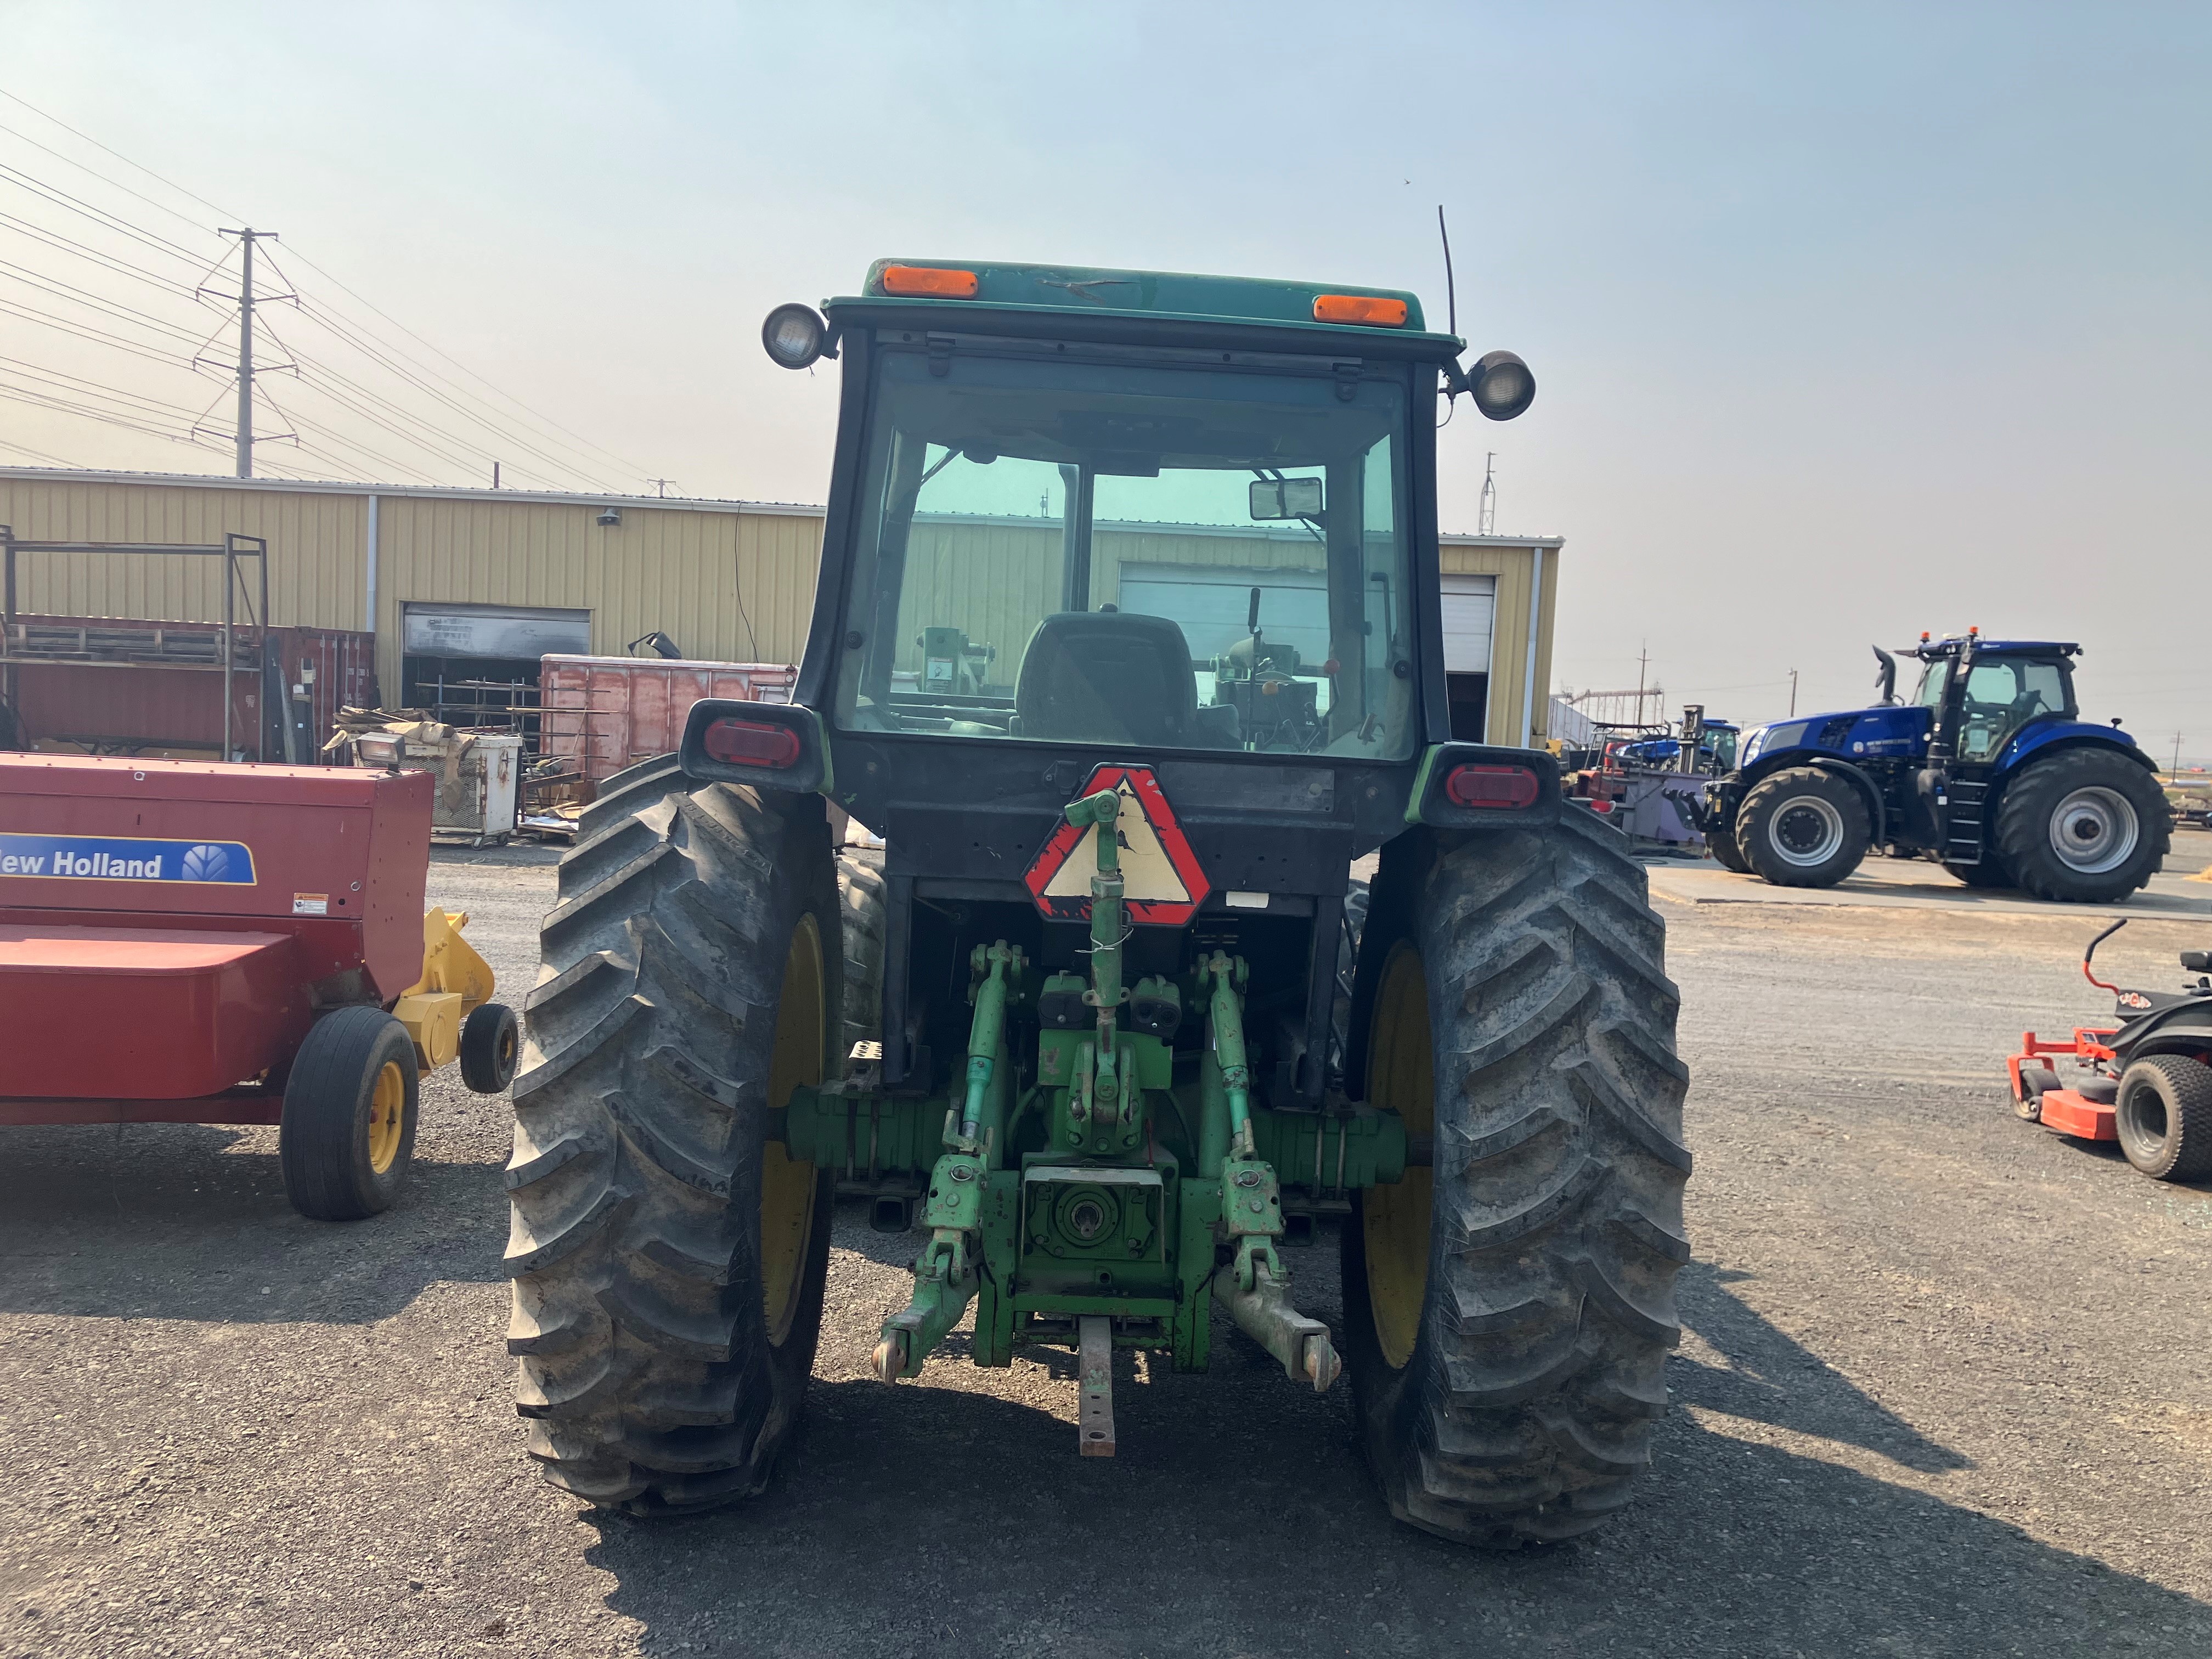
(748,743)
(1502,788)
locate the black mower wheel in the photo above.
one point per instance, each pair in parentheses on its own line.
(350,1103)
(1722,844)
(668,1258)
(1803,826)
(2164,1115)
(2035,1082)
(2086,825)
(1508,1312)
(491,1042)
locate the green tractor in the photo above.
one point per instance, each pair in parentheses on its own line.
(1126,639)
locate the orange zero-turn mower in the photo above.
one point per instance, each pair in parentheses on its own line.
(2149,1077)
(189,942)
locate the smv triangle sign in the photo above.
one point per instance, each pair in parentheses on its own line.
(1162,883)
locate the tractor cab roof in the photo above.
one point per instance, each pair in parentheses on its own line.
(1091,301)
(1951,645)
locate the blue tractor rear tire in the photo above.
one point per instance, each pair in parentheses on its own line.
(2084,826)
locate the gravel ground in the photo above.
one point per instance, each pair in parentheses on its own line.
(1947,1389)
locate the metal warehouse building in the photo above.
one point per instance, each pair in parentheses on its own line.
(473,586)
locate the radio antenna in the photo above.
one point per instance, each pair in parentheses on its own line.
(1451,293)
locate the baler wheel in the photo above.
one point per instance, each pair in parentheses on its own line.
(668,1258)
(350,1104)
(490,1044)
(2163,1114)
(1508,1312)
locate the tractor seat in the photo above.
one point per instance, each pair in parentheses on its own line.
(1108,677)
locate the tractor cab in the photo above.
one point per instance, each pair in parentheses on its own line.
(1979,694)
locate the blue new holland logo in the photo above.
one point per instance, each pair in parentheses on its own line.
(109,858)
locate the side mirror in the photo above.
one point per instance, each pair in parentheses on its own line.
(1286,498)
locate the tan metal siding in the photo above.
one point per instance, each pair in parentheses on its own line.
(316,542)
(1508,648)
(728,587)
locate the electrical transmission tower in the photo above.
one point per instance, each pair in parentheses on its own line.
(247,300)
(1485,514)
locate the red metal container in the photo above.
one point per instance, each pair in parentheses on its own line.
(606,712)
(169,929)
(113,684)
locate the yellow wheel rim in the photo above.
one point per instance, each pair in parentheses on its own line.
(387,1116)
(1400,1075)
(787,1186)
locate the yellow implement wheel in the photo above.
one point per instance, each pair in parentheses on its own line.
(387,1116)
(1400,1076)
(349,1109)
(788,1187)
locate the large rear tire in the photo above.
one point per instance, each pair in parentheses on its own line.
(1508,1312)
(865,905)
(668,1258)
(1802,827)
(2086,825)
(2163,1115)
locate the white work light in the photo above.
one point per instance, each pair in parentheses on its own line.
(1502,385)
(794,335)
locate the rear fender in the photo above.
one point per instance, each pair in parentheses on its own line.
(2048,737)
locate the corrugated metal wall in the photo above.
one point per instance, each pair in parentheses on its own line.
(726,586)
(316,547)
(732,585)
(1508,647)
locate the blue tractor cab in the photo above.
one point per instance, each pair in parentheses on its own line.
(1988,768)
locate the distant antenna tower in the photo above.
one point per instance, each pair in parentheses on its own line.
(1486,515)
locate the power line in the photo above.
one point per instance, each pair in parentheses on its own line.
(114,184)
(12,99)
(630,467)
(35,454)
(73,294)
(70,245)
(54,376)
(101,336)
(107,221)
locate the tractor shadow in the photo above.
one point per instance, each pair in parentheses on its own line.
(1768,1377)
(190,1221)
(1239,1518)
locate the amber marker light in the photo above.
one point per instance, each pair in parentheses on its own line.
(1368,308)
(916,280)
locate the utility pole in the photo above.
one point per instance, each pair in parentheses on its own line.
(1793,691)
(494,474)
(247,238)
(660,486)
(1485,512)
(2177,757)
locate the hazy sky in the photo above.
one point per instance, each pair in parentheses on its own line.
(1847,322)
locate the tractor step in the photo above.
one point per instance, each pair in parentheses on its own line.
(1095,1421)
(1962,824)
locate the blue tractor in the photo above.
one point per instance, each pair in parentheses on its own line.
(1988,770)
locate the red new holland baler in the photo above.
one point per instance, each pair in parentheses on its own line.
(186,942)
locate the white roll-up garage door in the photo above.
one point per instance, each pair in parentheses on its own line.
(1470,607)
(1212,602)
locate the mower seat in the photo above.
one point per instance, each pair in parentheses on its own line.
(1110,677)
